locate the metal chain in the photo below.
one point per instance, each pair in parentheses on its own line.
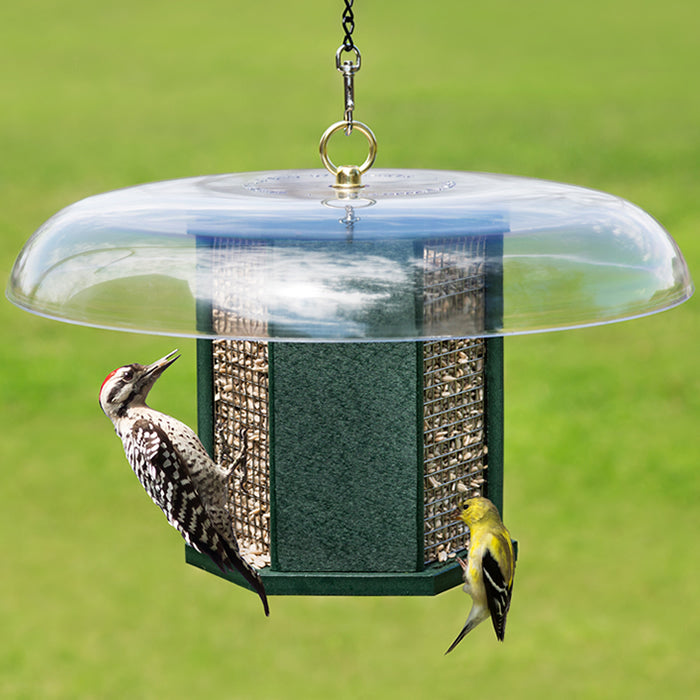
(348,26)
(348,68)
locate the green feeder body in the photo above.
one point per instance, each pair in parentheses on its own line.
(358,454)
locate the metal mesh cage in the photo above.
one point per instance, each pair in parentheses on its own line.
(454,440)
(241,399)
(454,435)
(241,427)
(240,317)
(454,282)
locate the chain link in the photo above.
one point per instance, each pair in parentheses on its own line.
(348,26)
(348,68)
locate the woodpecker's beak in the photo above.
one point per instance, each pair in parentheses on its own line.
(154,370)
(148,375)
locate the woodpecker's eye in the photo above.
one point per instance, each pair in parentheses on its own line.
(129,375)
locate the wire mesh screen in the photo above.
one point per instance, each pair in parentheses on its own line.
(241,433)
(453,285)
(237,315)
(454,436)
(241,395)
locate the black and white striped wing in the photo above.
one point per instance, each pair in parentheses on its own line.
(166,479)
(165,476)
(498,592)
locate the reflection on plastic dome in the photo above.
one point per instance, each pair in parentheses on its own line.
(413,255)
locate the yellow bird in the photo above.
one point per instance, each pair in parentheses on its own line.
(489,569)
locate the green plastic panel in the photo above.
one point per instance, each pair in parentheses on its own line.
(494,405)
(205,395)
(345,457)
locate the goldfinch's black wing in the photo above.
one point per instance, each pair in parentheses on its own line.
(498,592)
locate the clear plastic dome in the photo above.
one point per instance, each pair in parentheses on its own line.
(414,254)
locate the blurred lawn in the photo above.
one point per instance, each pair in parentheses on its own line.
(603,485)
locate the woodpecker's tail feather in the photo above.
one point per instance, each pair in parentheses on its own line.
(227,558)
(252,577)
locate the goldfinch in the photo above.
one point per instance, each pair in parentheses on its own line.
(489,569)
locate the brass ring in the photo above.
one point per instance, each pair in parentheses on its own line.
(363,129)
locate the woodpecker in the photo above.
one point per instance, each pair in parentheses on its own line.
(174,468)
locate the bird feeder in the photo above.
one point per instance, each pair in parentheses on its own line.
(351,339)
(350,326)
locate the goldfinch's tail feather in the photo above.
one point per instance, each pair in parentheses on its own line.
(468,627)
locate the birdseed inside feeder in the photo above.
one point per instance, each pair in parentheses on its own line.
(350,327)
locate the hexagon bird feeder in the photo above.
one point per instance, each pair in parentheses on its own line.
(350,339)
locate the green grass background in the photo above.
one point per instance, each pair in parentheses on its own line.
(602,480)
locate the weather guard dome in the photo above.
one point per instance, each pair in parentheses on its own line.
(286,256)
(393,434)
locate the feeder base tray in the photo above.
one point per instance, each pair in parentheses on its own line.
(435,579)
